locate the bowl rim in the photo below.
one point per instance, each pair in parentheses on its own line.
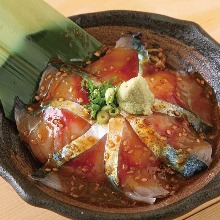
(28,191)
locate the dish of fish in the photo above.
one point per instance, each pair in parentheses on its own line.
(94,150)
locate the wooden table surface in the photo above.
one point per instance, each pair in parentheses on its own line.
(205,13)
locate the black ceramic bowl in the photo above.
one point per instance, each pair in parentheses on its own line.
(188,48)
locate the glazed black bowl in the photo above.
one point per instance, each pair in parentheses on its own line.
(188,48)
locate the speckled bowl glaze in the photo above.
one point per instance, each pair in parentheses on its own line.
(188,48)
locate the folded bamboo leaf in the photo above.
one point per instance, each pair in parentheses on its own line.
(31,34)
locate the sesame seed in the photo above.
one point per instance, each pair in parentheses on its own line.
(125,143)
(144,179)
(137,178)
(30,109)
(88,62)
(105,69)
(58,73)
(198,80)
(80,100)
(75,196)
(60,125)
(49,76)
(64,74)
(202,82)
(165,80)
(70,89)
(176,113)
(207,96)
(126,148)
(34,141)
(128,58)
(178,94)
(179,150)
(111,67)
(55,169)
(180,134)
(179,79)
(163,138)
(197,140)
(152,79)
(181,160)
(168,132)
(47,169)
(130,171)
(160,54)
(174,127)
(130,151)
(97,54)
(37,97)
(189,149)
(81,187)
(60,99)
(42,88)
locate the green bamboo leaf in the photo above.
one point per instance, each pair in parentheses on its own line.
(31,33)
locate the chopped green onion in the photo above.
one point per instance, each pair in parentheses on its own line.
(109,95)
(107,108)
(114,112)
(103,117)
(99,96)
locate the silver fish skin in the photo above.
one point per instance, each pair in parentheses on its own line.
(183,163)
(134,41)
(76,147)
(177,111)
(112,146)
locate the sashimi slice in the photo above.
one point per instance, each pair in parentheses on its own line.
(177,111)
(131,166)
(179,160)
(120,62)
(78,173)
(185,90)
(138,170)
(62,85)
(181,136)
(49,130)
(195,93)
(76,147)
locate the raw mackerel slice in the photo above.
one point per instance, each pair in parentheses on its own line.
(132,167)
(49,130)
(178,158)
(120,62)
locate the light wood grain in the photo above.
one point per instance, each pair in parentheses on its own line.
(205,13)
